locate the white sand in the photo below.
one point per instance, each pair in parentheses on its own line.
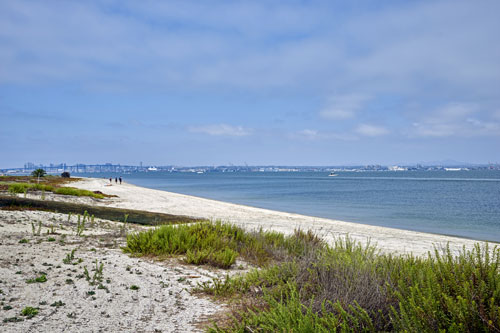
(163,302)
(387,239)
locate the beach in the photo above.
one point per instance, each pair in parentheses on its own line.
(388,240)
(141,293)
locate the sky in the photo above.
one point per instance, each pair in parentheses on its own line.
(256,82)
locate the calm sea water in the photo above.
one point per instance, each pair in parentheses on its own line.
(460,203)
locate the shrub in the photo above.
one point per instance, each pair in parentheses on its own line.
(348,287)
(65,174)
(218,244)
(29,312)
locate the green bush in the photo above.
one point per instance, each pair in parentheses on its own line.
(349,287)
(218,244)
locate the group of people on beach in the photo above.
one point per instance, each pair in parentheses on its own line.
(116,180)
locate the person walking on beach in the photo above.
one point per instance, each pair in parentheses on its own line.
(116,180)
(110,181)
(120,180)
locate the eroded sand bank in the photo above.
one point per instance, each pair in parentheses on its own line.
(387,239)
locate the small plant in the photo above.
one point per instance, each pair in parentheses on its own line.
(69,217)
(12,320)
(24,241)
(41,279)
(43,195)
(51,239)
(29,312)
(65,174)
(90,292)
(98,275)
(134,287)
(69,257)
(58,304)
(80,226)
(7,307)
(103,287)
(69,281)
(36,230)
(123,227)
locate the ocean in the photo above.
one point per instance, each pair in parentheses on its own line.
(457,203)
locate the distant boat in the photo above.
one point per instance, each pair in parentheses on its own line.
(199,172)
(152,169)
(332,174)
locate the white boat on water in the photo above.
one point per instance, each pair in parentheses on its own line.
(332,174)
(152,169)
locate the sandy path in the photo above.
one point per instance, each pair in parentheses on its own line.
(387,239)
(161,304)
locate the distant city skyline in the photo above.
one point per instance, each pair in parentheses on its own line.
(249,82)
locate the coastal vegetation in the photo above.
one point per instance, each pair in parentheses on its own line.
(25,184)
(25,187)
(102,212)
(302,284)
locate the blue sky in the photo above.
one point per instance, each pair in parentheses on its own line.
(257,82)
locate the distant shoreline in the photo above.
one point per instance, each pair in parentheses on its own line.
(387,239)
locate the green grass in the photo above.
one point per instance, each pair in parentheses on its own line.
(217,244)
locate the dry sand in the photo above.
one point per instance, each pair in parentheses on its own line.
(387,239)
(162,303)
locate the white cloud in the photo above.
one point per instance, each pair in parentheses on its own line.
(221,130)
(455,119)
(371,130)
(343,106)
(310,134)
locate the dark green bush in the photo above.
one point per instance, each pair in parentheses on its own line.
(349,287)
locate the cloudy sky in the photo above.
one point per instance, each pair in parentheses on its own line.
(257,82)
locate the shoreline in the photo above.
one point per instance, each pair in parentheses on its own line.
(389,240)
